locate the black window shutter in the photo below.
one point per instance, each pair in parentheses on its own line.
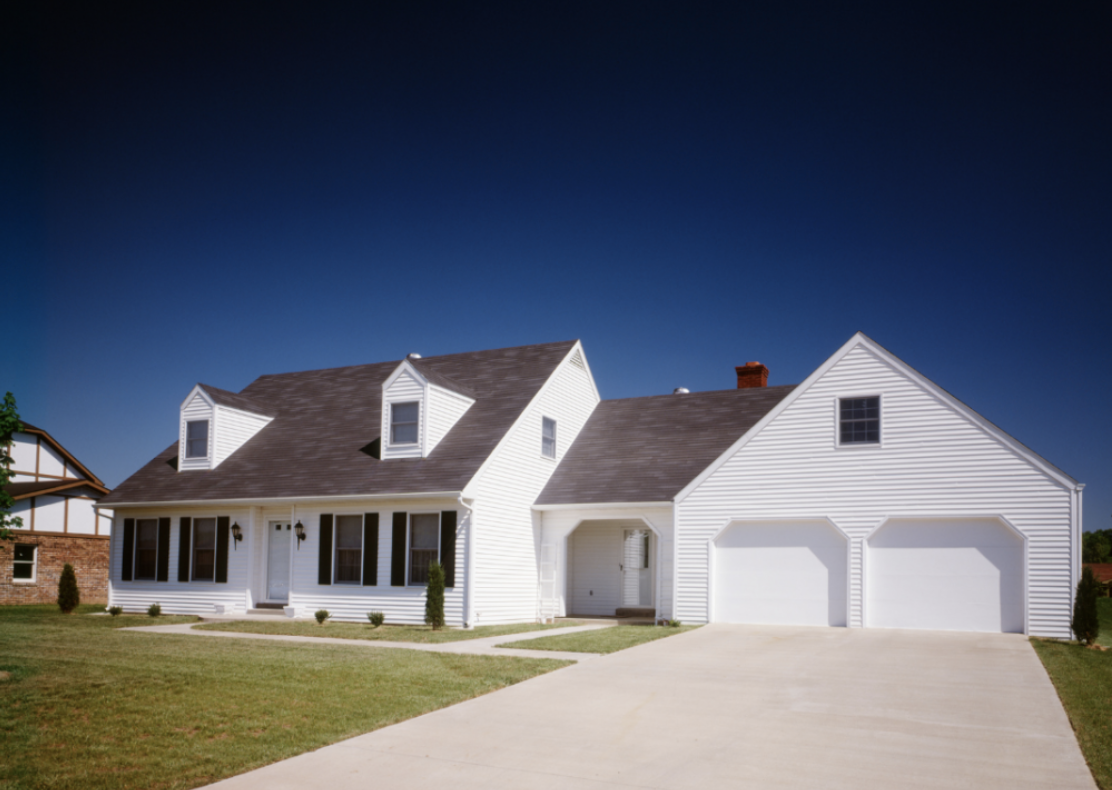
(184,545)
(324,569)
(370,549)
(222,549)
(448,546)
(397,551)
(163,550)
(129,549)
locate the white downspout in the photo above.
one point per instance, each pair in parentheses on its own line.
(468,593)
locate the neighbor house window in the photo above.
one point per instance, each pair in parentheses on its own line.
(146,548)
(548,437)
(859,421)
(196,439)
(349,549)
(23,568)
(204,550)
(424,545)
(403,422)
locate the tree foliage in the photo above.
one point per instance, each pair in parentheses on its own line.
(9,425)
(1096,546)
(1086,622)
(434,597)
(68,594)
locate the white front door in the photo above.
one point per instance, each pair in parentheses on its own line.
(278,562)
(636,574)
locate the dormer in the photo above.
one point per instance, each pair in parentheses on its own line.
(419,407)
(214,424)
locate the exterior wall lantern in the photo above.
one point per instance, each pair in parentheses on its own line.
(300,530)
(237,533)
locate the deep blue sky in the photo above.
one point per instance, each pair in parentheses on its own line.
(210,192)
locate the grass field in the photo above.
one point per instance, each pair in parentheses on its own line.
(603,640)
(385,633)
(88,706)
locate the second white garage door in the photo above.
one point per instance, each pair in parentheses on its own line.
(789,573)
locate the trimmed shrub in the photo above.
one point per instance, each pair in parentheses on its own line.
(68,594)
(434,597)
(115,611)
(154,610)
(376,618)
(1086,623)
(321,615)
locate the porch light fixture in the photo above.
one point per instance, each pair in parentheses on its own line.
(300,530)
(237,533)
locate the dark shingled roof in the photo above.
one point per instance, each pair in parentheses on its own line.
(22,490)
(236,401)
(648,449)
(325,418)
(439,379)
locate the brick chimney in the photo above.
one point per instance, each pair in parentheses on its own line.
(751,374)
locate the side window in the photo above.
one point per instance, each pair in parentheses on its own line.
(548,437)
(204,550)
(146,549)
(349,549)
(23,567)
(424,545)
(196,439)
(403,422)
(859,421)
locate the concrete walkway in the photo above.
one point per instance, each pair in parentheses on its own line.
(735,706)
(486,646)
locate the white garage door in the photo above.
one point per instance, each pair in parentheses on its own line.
(789,573)
(945,575)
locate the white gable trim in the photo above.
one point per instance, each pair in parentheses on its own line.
(860,339)
(404,367)
(197,390)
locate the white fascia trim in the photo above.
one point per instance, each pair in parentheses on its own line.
(606,506)
(743,520)
(453,393)
(468,490)
(945,517)
(860,339)
(405,366)
(587,367)
(290,500)
(197,388)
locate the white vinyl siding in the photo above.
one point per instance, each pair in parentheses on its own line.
(405,388)
(444,410)
(934,461)
(197,409)
(233,428)
(507,537)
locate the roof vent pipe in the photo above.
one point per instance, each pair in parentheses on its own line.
(413,355)
(681,391)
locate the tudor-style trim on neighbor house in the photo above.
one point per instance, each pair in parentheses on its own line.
(665,505)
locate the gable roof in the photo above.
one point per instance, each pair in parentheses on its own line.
(647,449)
(23,490)
(316,446)
(235,400)
(29,428)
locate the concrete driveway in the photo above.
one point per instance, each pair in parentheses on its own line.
(736,706)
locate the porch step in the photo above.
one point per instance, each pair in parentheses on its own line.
(269,605)
(269,611)
(636,611)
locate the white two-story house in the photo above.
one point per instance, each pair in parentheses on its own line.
(866,496)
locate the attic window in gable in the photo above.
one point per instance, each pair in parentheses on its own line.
(196,439)
(403,422)
(548,437)
(859,421)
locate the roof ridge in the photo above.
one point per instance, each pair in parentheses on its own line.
(689,395)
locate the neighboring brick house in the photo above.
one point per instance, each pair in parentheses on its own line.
(1103,572)
(56,496)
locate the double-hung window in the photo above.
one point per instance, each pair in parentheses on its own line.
(349,549)
(23,567)
(548,437)
(204,550)
(403,422)
(146,549)
(859,421)
(196,439)
(424,545)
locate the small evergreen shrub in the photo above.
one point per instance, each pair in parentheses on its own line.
(68,594)
(1086,623)
(434,597)
(115,611)
(322,615)
(376,618)
(154,610)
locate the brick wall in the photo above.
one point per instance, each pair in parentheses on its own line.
(87,554)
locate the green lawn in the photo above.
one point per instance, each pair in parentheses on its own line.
(602,640)
(89,706)
(1104,612)
(386,633)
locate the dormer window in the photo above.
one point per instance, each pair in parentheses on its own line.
(403,422)
(196,439)
(548,437)
(859,421)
